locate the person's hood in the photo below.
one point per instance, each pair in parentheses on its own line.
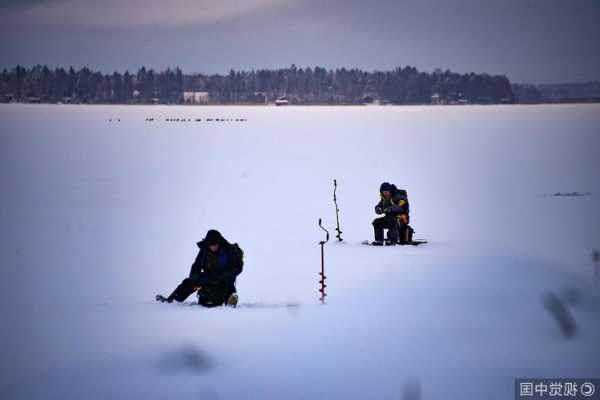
(212,237)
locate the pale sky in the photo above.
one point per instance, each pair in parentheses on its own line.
(538,41)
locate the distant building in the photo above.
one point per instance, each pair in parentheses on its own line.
(370,98)
(435,99)
(261,97)
(196,97)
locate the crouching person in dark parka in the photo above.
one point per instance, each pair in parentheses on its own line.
(393,204)
(213,273)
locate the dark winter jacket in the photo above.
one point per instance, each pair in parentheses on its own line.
(396,204)
(217,268)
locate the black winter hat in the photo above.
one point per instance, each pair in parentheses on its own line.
(213,237)
(385,187)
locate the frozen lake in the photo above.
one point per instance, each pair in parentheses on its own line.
(102,205)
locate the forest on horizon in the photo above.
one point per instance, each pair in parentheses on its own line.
(296,85)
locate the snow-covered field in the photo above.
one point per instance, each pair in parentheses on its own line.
(98,216)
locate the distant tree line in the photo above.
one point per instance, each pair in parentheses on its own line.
(557,93)
(297,85)
(41,84)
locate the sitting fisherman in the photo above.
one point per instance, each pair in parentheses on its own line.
(394,204)
(213,273)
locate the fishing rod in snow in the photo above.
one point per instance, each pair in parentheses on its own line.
(322,273)
(337,211)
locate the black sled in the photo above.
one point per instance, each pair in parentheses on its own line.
(416,242)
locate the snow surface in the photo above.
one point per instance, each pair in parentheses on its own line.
(98,216)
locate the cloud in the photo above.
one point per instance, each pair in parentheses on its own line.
(135,13)
(20,4)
